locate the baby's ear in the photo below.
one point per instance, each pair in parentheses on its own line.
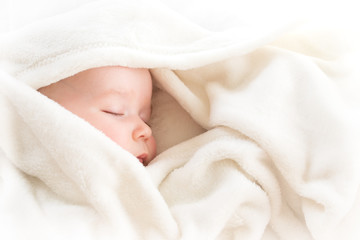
(170,123)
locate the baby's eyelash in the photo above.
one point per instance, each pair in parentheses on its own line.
(113,113)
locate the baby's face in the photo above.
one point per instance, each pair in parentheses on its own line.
(115,100)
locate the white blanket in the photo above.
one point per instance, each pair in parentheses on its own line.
(257,125)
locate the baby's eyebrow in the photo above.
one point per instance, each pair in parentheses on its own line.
(116,93)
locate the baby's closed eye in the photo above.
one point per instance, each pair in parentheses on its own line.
(114,113)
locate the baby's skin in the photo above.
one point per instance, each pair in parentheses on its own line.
(116,100)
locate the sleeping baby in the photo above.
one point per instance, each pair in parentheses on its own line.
(116,100)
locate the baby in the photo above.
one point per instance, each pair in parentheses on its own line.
(115,100)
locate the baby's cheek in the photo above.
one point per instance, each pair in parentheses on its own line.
(115,134)
(152,147)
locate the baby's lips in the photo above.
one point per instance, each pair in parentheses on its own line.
(142,158)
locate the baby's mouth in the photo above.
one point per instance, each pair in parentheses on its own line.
(142,158)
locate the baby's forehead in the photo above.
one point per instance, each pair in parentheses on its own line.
(112,81)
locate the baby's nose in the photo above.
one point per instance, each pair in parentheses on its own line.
(142,130)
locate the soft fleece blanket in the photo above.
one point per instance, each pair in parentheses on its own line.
(257,125)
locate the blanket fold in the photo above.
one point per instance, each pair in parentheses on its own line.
(256,124)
